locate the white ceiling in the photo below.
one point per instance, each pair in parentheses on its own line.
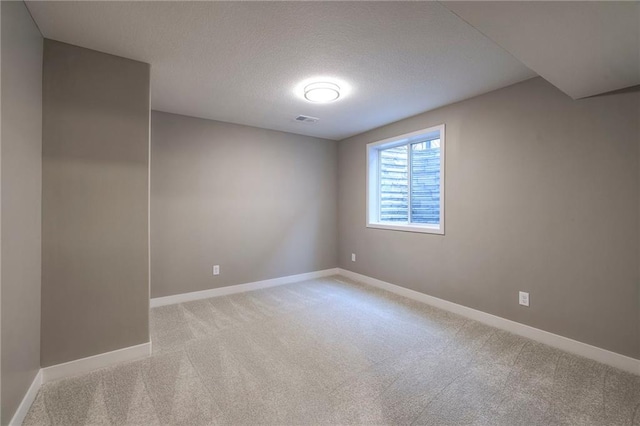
(240,61)
(583,48)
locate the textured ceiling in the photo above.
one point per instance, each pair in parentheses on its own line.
(583,48)
(240,61)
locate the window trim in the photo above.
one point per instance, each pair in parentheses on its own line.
(373,170)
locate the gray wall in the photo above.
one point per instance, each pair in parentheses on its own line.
(95,287)
(541,196)
(259,203)
(21,203)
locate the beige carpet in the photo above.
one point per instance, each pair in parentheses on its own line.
(330,351)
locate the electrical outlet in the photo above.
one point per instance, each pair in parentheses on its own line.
(216,269)
(353,257)
(524,298)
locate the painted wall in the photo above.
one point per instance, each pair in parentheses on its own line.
(21,191)
(259,203)
(542,195)
(95,286)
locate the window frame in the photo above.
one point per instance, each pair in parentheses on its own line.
(373,181)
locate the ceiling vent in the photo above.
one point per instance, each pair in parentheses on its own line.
(306,119)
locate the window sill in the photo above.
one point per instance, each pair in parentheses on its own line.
(425,229)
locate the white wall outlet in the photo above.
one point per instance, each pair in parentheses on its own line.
(524,298)
(353,257)
(216,269)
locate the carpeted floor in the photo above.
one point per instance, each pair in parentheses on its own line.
(329,351)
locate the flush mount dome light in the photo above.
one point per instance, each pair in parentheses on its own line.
(321,92)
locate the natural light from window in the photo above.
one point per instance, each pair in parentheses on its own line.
(405,182)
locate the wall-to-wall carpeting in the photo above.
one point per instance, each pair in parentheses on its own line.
(330,351)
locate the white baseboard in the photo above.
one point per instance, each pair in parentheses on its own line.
(604,356)
(239,288)
(28,399)
(85,365)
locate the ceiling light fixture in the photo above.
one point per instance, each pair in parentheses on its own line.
(321,92)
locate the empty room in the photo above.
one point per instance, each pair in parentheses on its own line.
(319,213)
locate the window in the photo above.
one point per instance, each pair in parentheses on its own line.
(405,182)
